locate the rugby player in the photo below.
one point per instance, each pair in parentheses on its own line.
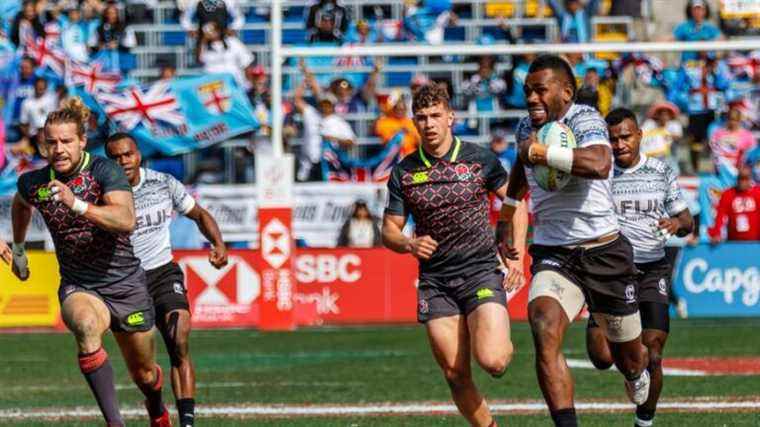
(87,205)
(650,209)
(462,300)
(157,195)
(579,255)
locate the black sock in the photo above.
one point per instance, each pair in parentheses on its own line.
(644,417)
(153,401)
(98,372)
(186,410)
(565,418)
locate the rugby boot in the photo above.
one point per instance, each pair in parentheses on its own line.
(638,389)
(162,421)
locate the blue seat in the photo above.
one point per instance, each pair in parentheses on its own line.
(494,31)
(454,34)
(253,36)
(293,36)
(295,14)
(174,38)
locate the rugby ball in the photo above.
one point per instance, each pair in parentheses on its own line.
(553,133)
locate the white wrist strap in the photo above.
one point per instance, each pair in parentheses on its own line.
(510,201)
(79,207)
(560,158)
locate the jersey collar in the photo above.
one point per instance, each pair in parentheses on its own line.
(634,168)
(82,166)
(140,182)
(452,159)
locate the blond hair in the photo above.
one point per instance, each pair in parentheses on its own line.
(72,110)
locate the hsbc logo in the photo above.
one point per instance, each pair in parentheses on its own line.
(235,284)
(275,243)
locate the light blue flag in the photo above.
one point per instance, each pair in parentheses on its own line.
(180,115)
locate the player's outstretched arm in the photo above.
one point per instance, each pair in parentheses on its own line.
(210,229)
(116,214)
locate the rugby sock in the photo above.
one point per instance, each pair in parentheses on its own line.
(644,417)
(98,372)
(565,418)
(152,392)
(186,410)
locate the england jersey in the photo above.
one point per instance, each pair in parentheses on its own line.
(643,194)
(157,196)
(583,209)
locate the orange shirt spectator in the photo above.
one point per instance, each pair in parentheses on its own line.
(395,120)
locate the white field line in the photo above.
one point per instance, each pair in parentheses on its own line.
(376,409)
(676,372)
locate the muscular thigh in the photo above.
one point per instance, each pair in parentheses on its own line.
(82,309)
(137,347)
(449,341)
(488,325)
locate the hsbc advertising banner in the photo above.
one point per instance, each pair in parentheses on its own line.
(332,286)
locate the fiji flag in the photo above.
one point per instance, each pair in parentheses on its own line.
(180,115)
(339,166)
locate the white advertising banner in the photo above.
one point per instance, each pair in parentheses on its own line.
(37,229)
(319,209)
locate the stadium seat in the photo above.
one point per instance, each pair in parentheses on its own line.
(253,36)
(455,34)
(174,38)
(294,36)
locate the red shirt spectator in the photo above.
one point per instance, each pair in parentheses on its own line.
(740,208)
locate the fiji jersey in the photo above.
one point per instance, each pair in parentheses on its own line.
(157,196)
(583,209)
(88,256)
(643,194)
(448,200)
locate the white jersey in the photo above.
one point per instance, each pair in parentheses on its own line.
(157,196)
(643,194)
(583,209)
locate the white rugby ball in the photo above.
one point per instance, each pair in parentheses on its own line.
(550,134)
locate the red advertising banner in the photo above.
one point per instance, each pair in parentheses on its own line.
(277,311)
(332,286)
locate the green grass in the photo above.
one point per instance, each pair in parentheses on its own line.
(364,365)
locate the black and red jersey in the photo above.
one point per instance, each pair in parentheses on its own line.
(87,255)
(447,199)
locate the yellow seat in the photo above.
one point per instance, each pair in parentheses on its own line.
(610,37)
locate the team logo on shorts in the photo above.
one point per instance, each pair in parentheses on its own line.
(630,294)
(663,287)
(136,319)
(178,288)
(484,293)
(463,172)
(424,307)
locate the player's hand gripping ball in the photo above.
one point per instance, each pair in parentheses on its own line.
(550,134)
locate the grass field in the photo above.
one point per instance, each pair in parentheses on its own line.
(244,374)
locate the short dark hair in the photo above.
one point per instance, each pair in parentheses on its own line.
(704,4)
(616,116)
(118,136)
(429,95)
(558,65)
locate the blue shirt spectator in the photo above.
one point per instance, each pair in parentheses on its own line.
(753,160)
(700,86)
(696,27)
(574,19)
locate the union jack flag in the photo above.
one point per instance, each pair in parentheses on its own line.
(45,53)
(91,76)
(338,166)
(149,106)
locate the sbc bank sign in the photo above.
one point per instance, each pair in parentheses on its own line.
(723,280)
